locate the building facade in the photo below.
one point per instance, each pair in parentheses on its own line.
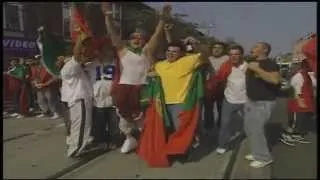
(20,23)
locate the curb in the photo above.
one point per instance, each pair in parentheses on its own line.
(229,168)
(75,165)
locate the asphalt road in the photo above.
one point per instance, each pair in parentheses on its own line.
(35,148)
(289,162)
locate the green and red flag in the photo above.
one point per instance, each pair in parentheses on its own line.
(155,143)
(51,47)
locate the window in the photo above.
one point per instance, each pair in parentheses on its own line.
(13,16)
(66,14)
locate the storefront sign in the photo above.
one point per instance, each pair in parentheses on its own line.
(13,43)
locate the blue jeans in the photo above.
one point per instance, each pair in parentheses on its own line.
(257,113)
(230,112)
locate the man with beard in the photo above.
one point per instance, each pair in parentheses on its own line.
(262,83)
(217,58)
(131,72)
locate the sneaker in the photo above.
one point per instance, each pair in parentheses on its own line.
(19,116)
(55,116)
(128,145)
(297,137)
(301,140)
(259,164)
(287,142)
(14,115)
(249,157)
(221,150)
(41,116)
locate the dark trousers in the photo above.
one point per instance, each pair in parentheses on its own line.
(31,96)
(101,122)
(299,122)
(209,112)
(16,100)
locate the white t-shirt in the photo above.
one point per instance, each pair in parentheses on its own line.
(102,93)
(134,69)
(236,91)
(77,82)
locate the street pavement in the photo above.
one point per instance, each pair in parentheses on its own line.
(42,154)
(35,148)
(289,162)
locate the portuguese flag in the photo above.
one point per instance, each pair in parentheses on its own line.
(155,143)
(50,48)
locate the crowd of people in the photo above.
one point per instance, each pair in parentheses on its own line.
(166,101)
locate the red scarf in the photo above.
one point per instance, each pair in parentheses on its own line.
(217,81)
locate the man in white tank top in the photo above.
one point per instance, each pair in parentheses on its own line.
(135,60)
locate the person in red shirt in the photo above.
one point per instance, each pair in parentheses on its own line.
(47,89)
(301,105)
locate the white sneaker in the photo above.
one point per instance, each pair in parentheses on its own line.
(128,145)
(14,114)
(41,115)
(259,164)
(221,150)
(55,116)
(287,142)
(300,139)
(19,116)
(249,157)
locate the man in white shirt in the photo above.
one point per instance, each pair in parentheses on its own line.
(233,74)
(216,60)
(80,99)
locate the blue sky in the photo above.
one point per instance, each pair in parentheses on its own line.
(279,23)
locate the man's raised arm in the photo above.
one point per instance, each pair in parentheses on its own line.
(152,44)
(115,37)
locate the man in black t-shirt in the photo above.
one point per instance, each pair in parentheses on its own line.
(262,81)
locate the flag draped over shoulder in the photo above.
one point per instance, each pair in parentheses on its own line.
(50,48)
(154,145)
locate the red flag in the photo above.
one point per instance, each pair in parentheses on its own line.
(310,51)
(78,25)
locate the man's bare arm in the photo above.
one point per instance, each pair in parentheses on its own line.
(155,38)
(204,52)
(167,31)
(271,77)
(115,37)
